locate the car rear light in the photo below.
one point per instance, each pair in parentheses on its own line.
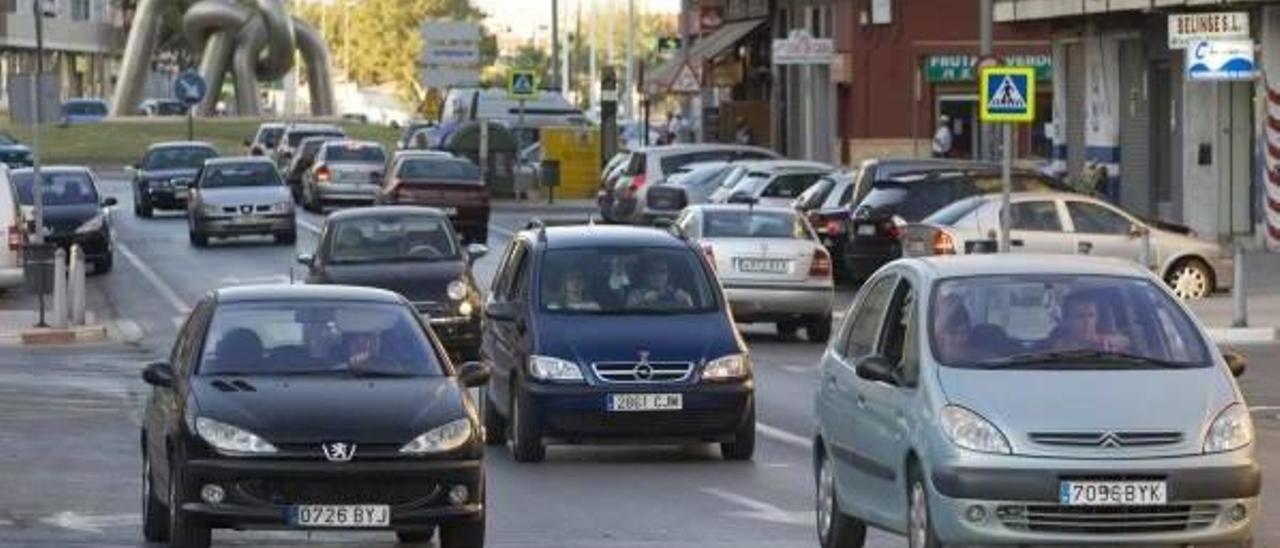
(323,175)
(711,255)
(820,266)
(834,227)
(15,238)
(943,243)
(894,227)
(636,183)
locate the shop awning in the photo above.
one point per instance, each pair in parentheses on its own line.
(711,45)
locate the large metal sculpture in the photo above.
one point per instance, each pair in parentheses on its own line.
(254,39)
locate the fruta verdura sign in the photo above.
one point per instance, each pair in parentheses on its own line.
(962,67)
(1008,94)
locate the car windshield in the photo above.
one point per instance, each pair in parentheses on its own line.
(355,153)
(270,136)
(60,188)
(746,223)
(322,338)
(236,175)
(392,238)
(177,158)
(296,137)
(1060,322)
(90,108)
(438,168)
(625,281)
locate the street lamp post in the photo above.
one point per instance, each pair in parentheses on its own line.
(37,185)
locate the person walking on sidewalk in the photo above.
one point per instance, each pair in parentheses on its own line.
(942,138)
(743,134)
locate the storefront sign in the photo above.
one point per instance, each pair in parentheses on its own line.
(801,48)
(962,67)
(1189,28)
(1216,60)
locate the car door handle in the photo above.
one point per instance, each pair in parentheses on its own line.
(1016,243)
(1084,248)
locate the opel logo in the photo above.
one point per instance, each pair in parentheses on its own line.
(1110,439)
(246,209)
(643,370)
(339,451)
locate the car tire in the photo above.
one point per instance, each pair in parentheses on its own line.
(787,330)
(155,515)
(920,533)
(185,530)
(104,265)
(743,446)
(415,537)
(818,329)
(1191,279)
(287,238)
(462,534)
(310,201)
(495,426)
(142,208)
(526,441)
(835,528)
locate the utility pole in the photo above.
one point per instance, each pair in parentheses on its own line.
(555,43)
(37,184)
(986,47)
(629,90)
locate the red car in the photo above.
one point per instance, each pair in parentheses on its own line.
(451,184)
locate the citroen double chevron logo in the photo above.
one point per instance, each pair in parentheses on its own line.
(1110,439)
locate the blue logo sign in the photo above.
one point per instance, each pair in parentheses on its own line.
(190,88)
(1220,60)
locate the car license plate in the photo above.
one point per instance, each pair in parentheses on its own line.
(1113,493)
(645,402)
(767,266)
(343,516)
(247,219)
(866,230)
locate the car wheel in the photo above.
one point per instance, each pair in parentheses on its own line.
(464,534)
(787,330)
(197,238)
(1190,280)
(526,442)
(309,200)
(495,426)
(818,329)
(919,522)
(155,515)
(185,530)
(743,446)
(287,238)
(835,529)
(144,209)
(415,537)
(104,265)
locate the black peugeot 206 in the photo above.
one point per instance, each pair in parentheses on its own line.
(311,408)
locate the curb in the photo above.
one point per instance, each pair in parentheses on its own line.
(1242,335)
(46,336)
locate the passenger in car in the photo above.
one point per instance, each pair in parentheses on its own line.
(1082,327)
(573,293)
(954,332)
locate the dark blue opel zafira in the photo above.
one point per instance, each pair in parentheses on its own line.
(607,334)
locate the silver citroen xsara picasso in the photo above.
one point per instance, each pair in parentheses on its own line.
(1030,400)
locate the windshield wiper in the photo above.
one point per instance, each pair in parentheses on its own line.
(1066,356)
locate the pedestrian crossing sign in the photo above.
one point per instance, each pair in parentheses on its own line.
(1008,94)
(522,84)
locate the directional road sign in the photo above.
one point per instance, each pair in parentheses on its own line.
(522,84)
(1008,94)
(190,88)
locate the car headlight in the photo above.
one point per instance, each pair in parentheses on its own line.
(554,369)
(733,366)
(282,207)
(440,439)
(457,290)
(465,308)
(92,225)
(1232,430)
(231,439)
(970,431)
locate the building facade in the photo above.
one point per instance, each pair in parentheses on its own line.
(82,41)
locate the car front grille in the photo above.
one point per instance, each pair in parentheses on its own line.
(1107,439)
(645,423)
(642,372)
(1107,520)
(395,492)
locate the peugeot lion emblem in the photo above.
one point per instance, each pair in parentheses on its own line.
(339,451)
(643,370)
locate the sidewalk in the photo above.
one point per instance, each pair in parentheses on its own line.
(19,313)
(1262,278)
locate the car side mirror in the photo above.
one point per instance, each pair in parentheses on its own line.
(876,368)
(503,312)
(473,374)
(158,374)
(306,259)
(475,251)
(109,201)
(1235,362)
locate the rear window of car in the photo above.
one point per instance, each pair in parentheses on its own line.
(178,158)
(392,238)
(238,175)
(270,136)
(296,137)
(317,338)
(916,198)
(676,161)
(438,168)
(92,108)
(355,153)
(75,188)
(754,224)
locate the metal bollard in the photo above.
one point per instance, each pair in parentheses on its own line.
(1239,291)
(76,283)
(59,289)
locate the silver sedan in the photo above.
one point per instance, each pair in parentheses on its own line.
(770,263)
(240,196)
(1064,223)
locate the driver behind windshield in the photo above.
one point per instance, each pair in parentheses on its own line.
(1082,327)
(656,289)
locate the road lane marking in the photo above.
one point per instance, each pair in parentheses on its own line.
(308,226)
(166,291)
(798,369)
(760,510)
(502,231)
(777,434)
(90,524)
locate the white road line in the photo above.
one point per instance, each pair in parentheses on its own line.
(156,281)
(777,434)
(759,510)
(797,369)
(502,231)
(308,226)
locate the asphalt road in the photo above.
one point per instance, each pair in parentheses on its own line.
(69,461)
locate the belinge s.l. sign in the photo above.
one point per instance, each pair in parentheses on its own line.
(1220,60)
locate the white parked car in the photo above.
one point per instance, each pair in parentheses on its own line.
(1064,223)
(11,274)
(771,182)
(770,263)
(627,200)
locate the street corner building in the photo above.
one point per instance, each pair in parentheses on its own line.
(82,42)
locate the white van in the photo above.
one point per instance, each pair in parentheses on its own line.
(550,108)
(11,224)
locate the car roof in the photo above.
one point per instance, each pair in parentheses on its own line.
(960,266)
(698,147)
(377,211)
(743,207)
(1051,195)
(786,165)
(312,127)
(342,141)
(85,100)
(410,153)
(55,169)
(271,125)
(596,235)
(304,292)
(180,144)
(238,160)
